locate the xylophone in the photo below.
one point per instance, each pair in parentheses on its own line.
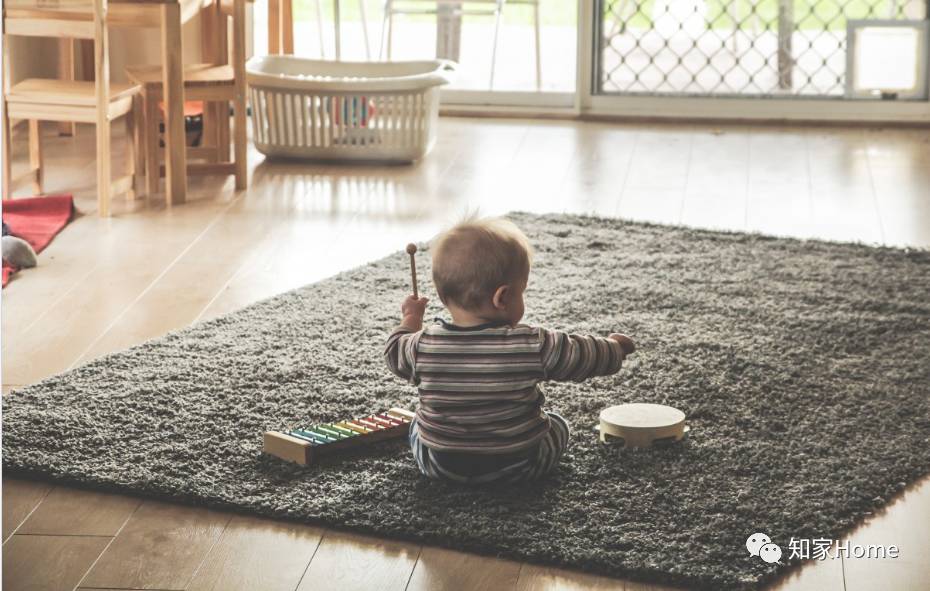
(304,445)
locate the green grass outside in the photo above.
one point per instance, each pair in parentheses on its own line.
(763,14)
(820,15)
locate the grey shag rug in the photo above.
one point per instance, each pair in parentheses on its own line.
(804,368)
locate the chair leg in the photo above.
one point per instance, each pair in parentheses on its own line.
(103,166)
(138,146)
(221,153)
(131,157)
(538,46)
(7,157)
(35,156)
(150,137)
(222,131)
(497,28)
(209,130)
(213,136)
(66,72)
(240,143)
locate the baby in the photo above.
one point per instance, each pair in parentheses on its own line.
(480,417)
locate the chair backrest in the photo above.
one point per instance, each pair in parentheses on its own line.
(234,52)
(62,19)
(235,11)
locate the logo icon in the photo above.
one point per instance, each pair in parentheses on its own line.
(770,553)
(761,545)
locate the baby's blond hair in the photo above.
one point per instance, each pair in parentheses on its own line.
(475,257)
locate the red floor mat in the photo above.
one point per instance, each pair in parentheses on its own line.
(36,220)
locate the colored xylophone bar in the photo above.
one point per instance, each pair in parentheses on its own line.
(304,445)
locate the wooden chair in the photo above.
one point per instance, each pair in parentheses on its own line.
(217,84)
(99,102)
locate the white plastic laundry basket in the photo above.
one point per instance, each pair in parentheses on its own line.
(345,110)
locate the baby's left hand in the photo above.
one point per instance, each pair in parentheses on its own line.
(626,343)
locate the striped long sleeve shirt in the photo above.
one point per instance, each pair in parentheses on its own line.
(479,386)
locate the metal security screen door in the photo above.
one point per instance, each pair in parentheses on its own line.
(732,48)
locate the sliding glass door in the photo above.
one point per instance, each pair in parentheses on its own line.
(777,50)
(736,47)
(771,59)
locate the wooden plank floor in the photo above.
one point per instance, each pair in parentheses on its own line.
(107,284)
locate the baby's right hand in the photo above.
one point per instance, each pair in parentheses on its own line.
(414,307)
(626,343)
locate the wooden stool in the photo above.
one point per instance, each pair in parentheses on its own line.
(217,85)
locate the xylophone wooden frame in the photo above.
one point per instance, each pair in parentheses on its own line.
(301,451)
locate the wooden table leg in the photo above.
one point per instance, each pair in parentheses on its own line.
(173,84)
(274,26)
(281,27)
(287,27)
(239,102)
(102,95)
(221,109)
(209,27)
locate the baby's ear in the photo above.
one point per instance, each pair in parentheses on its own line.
(499,300)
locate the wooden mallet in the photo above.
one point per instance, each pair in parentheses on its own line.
(412,250)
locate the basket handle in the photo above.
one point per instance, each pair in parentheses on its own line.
(445,73)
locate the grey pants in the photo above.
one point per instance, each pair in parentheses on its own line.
(537,465)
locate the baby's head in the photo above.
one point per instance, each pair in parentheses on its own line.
(480,267)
